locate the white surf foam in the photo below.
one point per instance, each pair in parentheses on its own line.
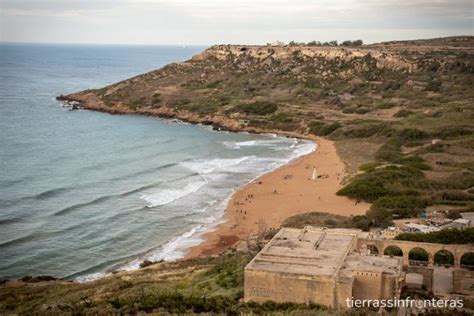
(255,143)
(176,247)
(208,166)
(169,195)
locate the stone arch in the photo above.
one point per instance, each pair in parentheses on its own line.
(418,257)
(393,250)
(444,257)
(467,260)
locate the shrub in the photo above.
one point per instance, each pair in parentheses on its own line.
(367,130)
(453,131)
(412,161)
(402,205)
(385,105)
(258,108)
(380,182)
(403,113)
(410,134)
(445,236)
(361,222)
(364,189)
(379,217)
(362,110)
(321,129)
(389,151)
(369,166)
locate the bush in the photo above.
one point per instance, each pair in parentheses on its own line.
(380,182)
(258,108)
(453,131)
(367,130)
(410,134)
(445,236)
(389,151)
(369,166)
(403,113)
(379,217)
(402,205)
(385,105)
(364,189)
(321,129)
(361,222)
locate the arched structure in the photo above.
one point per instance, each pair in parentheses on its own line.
(444,257)
(393,250)
(431,249)
(418,257)
(467,260)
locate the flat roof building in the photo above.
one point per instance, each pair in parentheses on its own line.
(321,266)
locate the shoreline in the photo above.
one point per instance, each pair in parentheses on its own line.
(267,201)
(295,193)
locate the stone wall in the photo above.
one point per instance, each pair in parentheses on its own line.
(426,272)
(262,286)
(463,282)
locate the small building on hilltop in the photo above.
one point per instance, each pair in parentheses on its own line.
(320,266)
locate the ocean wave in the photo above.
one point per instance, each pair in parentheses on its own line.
(255,143)
(208,166)
(176,247)
(167,196)
(303,148)
(143,172)
(74,207)
(170,251)
(51,193)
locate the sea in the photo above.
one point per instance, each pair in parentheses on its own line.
(83,194)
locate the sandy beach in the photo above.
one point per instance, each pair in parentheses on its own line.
(289,190)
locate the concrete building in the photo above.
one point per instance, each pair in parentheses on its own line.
(320,266)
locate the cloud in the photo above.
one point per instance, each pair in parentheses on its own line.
(209,21)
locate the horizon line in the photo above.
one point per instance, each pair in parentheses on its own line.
(209,45)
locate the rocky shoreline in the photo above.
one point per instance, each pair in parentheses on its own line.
(218,122)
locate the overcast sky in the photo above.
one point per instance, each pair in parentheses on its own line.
(230,21)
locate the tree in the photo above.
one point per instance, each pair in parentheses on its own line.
(380,217)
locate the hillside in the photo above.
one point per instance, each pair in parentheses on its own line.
(401,113)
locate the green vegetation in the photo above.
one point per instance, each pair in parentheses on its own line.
(393,251)
(329,220)
(212,285)
(258,108)
(413,106)
(322,129)
(445,236)
(403,113)
(418,254)
(401,206)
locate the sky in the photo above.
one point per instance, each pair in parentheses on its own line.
(205,22)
